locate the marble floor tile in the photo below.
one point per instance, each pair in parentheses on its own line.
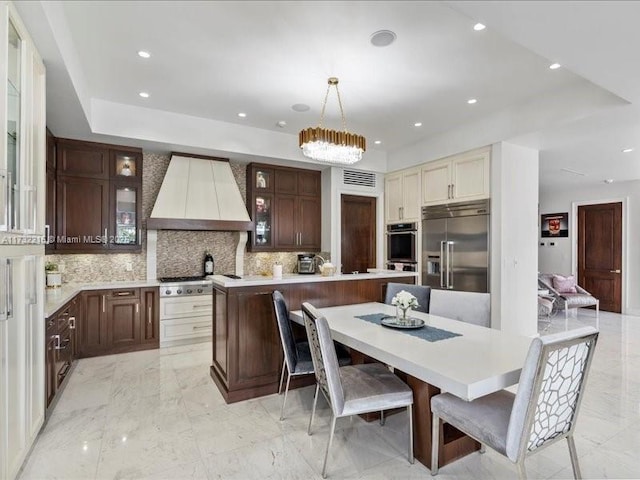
(270,459)
(157,415)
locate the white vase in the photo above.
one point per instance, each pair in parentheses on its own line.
(54,279)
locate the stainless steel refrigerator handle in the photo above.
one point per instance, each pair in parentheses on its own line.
(449,269)
(442,263)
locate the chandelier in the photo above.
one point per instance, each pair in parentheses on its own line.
(332,146)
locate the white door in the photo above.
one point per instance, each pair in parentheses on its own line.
(411,195)
(393,197)
(436,182)
(470,177)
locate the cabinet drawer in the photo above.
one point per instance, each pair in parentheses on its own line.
(186,307)
(185,328)
(125,293)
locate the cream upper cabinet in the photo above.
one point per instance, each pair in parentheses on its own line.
(463,177)
(402,196)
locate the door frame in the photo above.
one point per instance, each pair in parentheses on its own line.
(625,241)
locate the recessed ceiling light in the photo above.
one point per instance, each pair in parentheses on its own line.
(281,124)
(609,180)
(382,38)
(144,54)
(378,142)
(417,124)
(554,66)
(471,101)
(242,115)
(144,94)
(300,107)
(627,150)
(479,26)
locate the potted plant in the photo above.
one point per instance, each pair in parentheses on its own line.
(54,277)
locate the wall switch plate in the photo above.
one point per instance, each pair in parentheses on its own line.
(128,267)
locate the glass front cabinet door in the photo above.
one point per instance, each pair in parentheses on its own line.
(125,217)
(260,182)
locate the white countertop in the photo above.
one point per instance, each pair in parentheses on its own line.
(480,362)
(256,280)
(55,298)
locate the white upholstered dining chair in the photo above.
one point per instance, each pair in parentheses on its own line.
(353,389)
(468,307)
(542,412)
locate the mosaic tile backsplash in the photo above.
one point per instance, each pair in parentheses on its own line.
(178,252)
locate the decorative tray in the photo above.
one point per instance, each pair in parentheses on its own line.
(412,323)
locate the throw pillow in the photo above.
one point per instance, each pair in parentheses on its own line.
(565,284)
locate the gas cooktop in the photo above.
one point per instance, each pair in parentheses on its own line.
(181,279)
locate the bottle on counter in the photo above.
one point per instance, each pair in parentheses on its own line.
(208,263)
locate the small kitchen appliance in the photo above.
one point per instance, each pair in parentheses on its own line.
(306,263)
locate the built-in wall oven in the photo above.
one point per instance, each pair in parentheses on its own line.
(402,246)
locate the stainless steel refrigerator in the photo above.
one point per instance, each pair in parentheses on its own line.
(455,246)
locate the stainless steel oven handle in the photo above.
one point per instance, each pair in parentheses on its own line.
(9,288)
(411,232)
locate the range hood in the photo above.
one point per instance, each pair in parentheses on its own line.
(199,193)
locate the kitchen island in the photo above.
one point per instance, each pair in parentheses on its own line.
(247,353)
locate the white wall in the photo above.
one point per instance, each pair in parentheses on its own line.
(514,234)
(559,258)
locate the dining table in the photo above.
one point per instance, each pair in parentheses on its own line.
(444,355)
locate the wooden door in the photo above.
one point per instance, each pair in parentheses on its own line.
(411,183)
(286,234)
(393,197)
(82,159)
(93,325)
(309,222)
(358,248)
(436,181)
(150,320)
(470,177)
(309,183)
(50,210)
(600,253)
(123,322)
(82,214)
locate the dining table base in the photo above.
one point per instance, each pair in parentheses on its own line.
(454,444)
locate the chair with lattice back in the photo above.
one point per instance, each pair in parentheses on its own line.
(544,410)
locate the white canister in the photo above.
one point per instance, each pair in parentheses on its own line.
(54,279)
(277,270)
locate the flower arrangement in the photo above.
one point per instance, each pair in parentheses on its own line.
(404,301)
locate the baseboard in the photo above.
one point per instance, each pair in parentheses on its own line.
(633,311)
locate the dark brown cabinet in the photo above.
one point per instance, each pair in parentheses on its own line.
(50,192)
(117,321)
(82,214)
(94,197)
(92,330)
(150,316)
(285,207)
(60,349)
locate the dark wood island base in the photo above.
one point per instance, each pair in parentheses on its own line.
(247,353)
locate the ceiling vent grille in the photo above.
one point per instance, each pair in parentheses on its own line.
(359,178)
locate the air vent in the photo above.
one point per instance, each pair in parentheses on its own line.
(359,178)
